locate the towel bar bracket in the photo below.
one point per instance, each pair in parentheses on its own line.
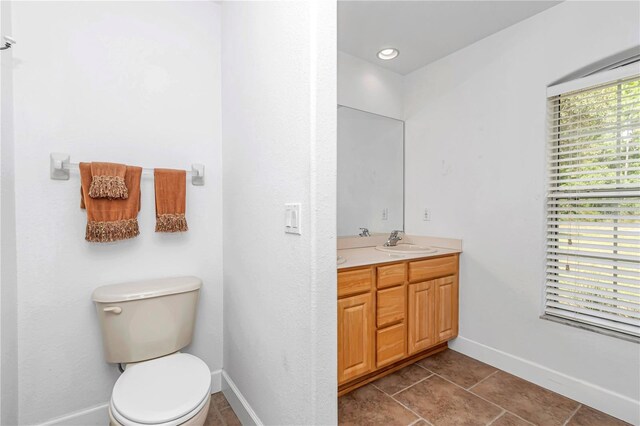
(197,174)
(60,165)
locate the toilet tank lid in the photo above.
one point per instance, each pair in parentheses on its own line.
(145,289)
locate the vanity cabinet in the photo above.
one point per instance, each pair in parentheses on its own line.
(393,314)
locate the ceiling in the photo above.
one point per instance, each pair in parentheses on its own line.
(423,31)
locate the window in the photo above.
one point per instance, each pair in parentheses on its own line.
(593,202)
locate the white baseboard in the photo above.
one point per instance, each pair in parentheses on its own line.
(99,415)
(240,405)
(216,381)
(587,393)
(94,416)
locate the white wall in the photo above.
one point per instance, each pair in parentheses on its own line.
(279,143)
(475,138)
(370,172)
(366,86)
(132,82)
(8,279)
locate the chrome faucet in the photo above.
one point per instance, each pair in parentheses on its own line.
(393,239)
(364,233)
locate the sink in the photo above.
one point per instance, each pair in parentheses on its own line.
(341,260)
(407,249)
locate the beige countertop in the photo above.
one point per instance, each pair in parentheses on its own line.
(351,255)
(370,256)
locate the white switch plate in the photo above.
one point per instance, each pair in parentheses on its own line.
(385,214)
(427,215)
(292,219)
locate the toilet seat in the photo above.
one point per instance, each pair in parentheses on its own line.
(201,411)
(165,391)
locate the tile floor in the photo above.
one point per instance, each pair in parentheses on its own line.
(452,389)
(220,412)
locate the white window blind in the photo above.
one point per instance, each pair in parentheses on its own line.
(593,204)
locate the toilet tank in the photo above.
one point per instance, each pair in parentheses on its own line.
(146,319)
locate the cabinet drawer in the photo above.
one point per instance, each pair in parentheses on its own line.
(354,282)
(390,344)
(391,275)
(423,270)
(390,306)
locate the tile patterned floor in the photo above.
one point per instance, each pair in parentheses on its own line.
(220,412)
(452,389)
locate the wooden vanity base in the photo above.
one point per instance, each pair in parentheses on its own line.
(361,381)
(393,314)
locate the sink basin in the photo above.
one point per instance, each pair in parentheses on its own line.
(407,249)
(341,260)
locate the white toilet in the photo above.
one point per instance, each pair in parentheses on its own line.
(144,325)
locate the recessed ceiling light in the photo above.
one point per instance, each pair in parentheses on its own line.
(387,54)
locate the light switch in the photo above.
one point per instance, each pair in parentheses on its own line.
(427,215)
(292,218)
(385,214)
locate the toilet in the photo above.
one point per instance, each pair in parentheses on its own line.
(144,325)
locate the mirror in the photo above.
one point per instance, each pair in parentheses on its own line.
(370,172)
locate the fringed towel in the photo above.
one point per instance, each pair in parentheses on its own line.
(171,192)
(111,220)
(108,181)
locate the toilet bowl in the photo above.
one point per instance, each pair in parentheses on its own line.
(168,391)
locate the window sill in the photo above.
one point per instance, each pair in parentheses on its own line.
(593,328)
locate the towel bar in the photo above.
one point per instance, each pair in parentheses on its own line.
(60,165)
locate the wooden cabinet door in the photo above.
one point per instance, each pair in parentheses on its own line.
(356,337)
(446,290)
(421,333)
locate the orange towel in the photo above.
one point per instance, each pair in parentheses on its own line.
(107,181)
(111,220)
(171,193)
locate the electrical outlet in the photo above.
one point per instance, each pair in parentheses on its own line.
(427,215)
